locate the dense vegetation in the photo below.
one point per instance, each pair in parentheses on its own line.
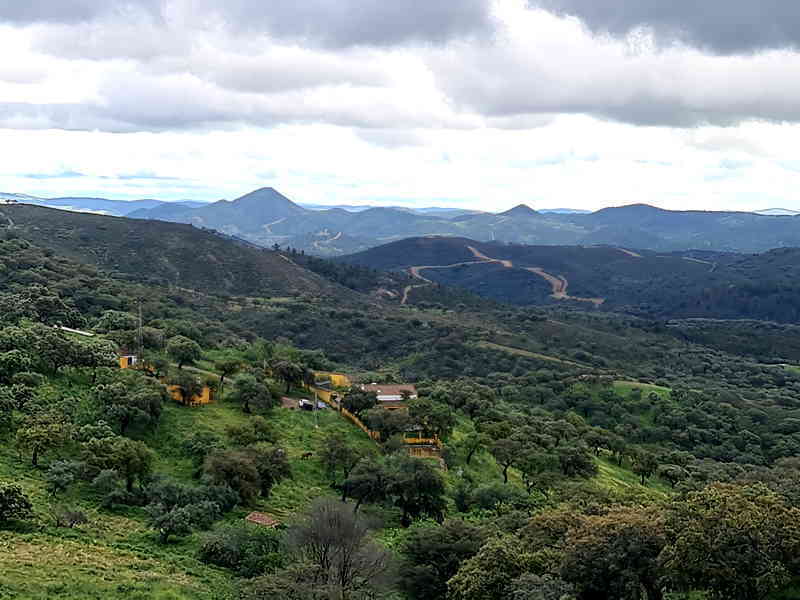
(586,455)
(641,282)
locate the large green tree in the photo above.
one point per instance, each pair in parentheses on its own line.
(736,542)
(183,350)
(615,555)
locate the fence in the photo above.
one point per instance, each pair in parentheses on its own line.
(329,398)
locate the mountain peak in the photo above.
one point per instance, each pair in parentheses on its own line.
(520,210)
(268,198)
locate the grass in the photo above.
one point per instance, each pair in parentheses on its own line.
(116,555)
(612,476)
(624,388)
(527,353)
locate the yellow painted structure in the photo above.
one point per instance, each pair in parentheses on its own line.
(338,380)
(127,362)
(205,397)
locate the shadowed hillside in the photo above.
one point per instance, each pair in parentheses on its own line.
(166,253)
(642,282)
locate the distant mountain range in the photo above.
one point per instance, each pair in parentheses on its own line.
(100,206)
(266,217)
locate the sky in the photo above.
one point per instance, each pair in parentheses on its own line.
(481,104)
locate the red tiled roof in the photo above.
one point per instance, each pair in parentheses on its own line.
(262,519)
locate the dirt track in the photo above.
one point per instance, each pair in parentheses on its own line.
(558,284)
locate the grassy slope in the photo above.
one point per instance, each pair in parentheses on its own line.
(116,555)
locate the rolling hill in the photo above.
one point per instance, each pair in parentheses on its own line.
(643,282)
(164,253)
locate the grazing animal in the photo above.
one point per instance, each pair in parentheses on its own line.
(306,455)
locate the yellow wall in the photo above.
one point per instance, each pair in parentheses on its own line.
(338,380)
(205,397)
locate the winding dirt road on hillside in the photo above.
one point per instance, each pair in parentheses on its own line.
(558,284)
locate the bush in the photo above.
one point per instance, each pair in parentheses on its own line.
(248,550)
(14,503)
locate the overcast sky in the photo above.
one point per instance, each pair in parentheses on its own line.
(476,103)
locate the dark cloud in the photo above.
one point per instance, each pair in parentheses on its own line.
(334,23)
(70,11)
(720,26)
(362,22)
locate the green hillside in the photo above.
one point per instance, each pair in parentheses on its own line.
(564,435)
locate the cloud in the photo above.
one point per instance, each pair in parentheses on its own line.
(720,26)
(62,175)
(339,23)
(71,11)
(542,64)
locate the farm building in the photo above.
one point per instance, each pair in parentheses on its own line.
(391,396)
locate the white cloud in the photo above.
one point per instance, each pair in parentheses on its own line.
(543,111)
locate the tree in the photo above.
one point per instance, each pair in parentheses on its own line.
(189,386)
(252,431)
(235,468)
(645,464)
(94,353)
(183,350)
(473,442)
(489,574)
(131,400)
(432,555)
(433,417)
(14,503)
(272,466)
(416,487)
(61,474)
(614,555)
(337,455)
(336,542)
(200,444)
(673,473)
(252,394)
(539,470)
(358,401)
(299,581)
(248,550)
(181,520)
(13,362)
(289,372)
(41,434)
(540,587)
(735,542)
(132,459)
(507,452)
(387,422)
(368,482)
(226,367)
(576,461)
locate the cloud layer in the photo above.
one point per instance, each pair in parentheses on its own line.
(429,86)
(721,26)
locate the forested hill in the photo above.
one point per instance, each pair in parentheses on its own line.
(581,447)
(266,217)
(642,282)
(164,253)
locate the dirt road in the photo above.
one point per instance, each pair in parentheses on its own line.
(558,284)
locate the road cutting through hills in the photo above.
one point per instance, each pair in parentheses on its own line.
(558,284)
